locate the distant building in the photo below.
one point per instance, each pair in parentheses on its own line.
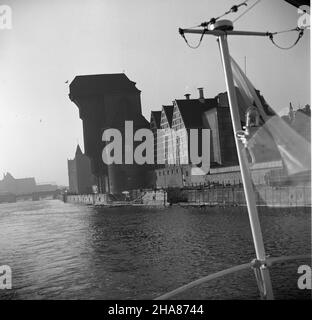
(182,116)
(155,125)
(106,101)
(24,186)
(218,119)
(80,176)
(301,122)
(17,186)
(46,187)
(212,114)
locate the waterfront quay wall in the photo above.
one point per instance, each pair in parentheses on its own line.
(91,199)
(149,198)
(286,196)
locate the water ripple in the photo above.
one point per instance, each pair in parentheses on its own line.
(67,251)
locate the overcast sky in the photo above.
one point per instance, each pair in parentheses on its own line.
(53,41)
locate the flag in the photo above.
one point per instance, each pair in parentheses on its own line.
(294,150)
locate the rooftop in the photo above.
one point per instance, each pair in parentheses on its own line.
(156,115)
(169,113)
(100,83)
(192,110)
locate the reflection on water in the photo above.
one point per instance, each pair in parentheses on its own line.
(68,251)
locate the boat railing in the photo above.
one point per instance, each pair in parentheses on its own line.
(255,264)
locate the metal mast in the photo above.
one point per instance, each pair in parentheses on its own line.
(222,30)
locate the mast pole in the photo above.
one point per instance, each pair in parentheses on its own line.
(246,177)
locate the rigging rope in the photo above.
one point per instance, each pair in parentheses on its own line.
(186,41)
(300,34)
(234,9)
(242,14)
(270,35)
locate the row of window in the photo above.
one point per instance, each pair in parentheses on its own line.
(172,171)
(176,122)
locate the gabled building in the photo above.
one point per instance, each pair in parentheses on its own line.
(301,122)
(202,113)
(165,141)
(189,114)
(155,126)
(176,122)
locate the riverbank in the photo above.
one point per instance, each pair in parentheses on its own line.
(287,197)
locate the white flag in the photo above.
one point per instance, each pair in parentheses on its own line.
(295,150)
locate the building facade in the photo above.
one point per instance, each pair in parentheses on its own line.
(23,186)
(177,122)
(17,186)
(214,114)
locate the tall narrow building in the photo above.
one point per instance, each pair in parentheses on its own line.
(106,101)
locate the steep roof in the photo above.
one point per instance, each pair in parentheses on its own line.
(169,113)
(8,176)
(192,110)
(298,3)
(156,115)
(78,151)
(100,83)
(243,105)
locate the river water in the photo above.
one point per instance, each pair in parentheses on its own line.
(59,250)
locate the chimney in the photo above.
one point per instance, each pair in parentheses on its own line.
(201,95)
(187,96)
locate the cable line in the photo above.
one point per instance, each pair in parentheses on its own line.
(242,14)
(234,9)
(200,40)
(300,34)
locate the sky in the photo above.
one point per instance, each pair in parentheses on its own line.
(51,42)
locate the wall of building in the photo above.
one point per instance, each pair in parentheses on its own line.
(177,176)
(226,137)
(80,176)
(223,148)
(17,186)
(180,176)
(149,198)
(85,178)
(290,196)
(46,188)
(72,176)
(302,124)
(180,138)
